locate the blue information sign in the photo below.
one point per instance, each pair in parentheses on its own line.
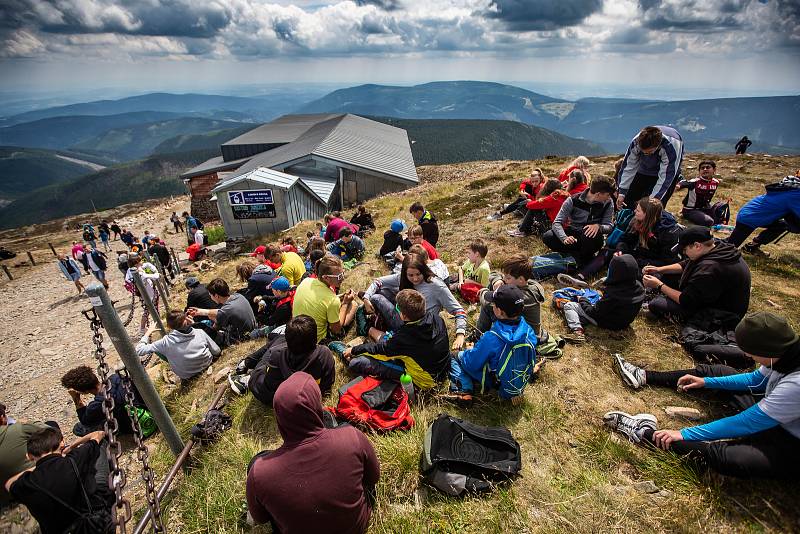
(257,196)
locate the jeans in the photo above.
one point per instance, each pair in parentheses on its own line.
(386,309)
(576,317)
(584,248)
(100,275)
(367,366)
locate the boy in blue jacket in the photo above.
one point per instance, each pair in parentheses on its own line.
(503,358)
(348,246)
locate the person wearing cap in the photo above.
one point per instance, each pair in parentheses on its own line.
(503,358)
(761,440)
(276,309)
(198,297)
(392,241)
(291,264)
(714,276)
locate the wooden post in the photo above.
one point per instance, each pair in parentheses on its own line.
(54,250)
(30,257)
(8,273)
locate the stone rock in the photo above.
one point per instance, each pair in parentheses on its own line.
(646,486)
(47,352)
(665,494)
(692,414)
(221,375)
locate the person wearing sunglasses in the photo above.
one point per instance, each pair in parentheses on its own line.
(317,298)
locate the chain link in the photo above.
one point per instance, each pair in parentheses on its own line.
(148,476)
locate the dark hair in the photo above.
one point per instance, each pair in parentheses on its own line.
(288,240)
(517,265)
(336,214)
(550,186)
(361,208)
(301,334)
(134,259)
(2,409)
(416,206)
(81,378)
(219,287)
(602,184)
(414,262)
(649,137)
(272,249)
(185,214)
(480,247)
(315,243)
(314,257)
(175,319)
(326,264)
(44,441)
(707,162)
(576,177)
(344,232)
(411,303)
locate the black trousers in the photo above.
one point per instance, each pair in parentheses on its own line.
(790,223)
(641,186)
(514,206)
(584,249)
(534,222)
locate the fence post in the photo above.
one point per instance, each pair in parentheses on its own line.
(54,250)
(175,261)
(122,342)
(30,257)
(163,272)
(8,273)
(137,278)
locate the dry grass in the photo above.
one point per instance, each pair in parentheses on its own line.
(577,477)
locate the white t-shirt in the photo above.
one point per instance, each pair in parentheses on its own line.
(782,399)
(198,237)
(92,265)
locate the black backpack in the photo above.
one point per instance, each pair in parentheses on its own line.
(459,457)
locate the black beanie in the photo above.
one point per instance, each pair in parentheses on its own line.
(765,334)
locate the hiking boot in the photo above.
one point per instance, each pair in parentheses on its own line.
(459,399)
(631,375)
(241,368)
(362,324)
(496,216)
(631,426)
(754,249)
(576,337)
(238,383)
(516,233)
(571,281)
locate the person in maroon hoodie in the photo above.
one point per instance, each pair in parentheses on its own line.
(320,479)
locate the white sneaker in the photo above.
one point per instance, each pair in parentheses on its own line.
(631,426)
(631,375)
(570,281)
(494,217)
(239,383)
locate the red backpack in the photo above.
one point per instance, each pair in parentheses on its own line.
(374,403)
(469,291)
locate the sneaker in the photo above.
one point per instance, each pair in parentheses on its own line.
(241,368)
(238,383)
(631,375)
(496,216)
(599,283)
(571,281)
(575,337)
(754,249)
(460,399)
(516,233)
(631,426)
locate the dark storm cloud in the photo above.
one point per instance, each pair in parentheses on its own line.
(693,16)
(534,15)
(388,5)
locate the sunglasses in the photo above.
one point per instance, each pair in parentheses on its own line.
(338,277)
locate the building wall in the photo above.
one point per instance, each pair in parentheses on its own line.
(200,188)
(366,186)
(303,206)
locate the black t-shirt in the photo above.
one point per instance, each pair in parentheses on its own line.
(92,414)
(55,474)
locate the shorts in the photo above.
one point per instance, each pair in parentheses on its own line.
(75,277)
(100,275)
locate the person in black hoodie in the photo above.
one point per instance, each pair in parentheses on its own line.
(420,347)
(198,297)
(622,298)
(392,239)
(283,356)
(429,224)
(714,276)
(363,219)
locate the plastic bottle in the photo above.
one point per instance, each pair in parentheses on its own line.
(408,385)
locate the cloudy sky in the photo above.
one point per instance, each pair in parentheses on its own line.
(739,46)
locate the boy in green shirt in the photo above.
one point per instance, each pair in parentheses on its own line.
(476,269)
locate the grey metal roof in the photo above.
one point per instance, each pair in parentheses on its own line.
(262,175)
(320,186)
(214,164)
(284,129)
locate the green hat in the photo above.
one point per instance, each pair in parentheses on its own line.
(765,334)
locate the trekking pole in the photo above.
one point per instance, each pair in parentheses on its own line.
(784,234)
(102,304)
(8,273)
(54,250)
(30,257)
(148,302)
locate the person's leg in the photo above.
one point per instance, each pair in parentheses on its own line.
(641,186)
(460,381)
(588,247)
(81,430)
(551,241)
(514,206)
(771,232)
(526,224)
(698,217)
(386,309)
(661,306)
(573,315)
(596,264)
(740,233)
(366,366)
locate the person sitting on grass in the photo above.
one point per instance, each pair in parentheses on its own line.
(291,264)
(258,278)
(334,224)
(392,242)
(503,358)
(415,237)
(515,270)
(428,223)
(762,439)
(316,297)
(363,219)
(264,370)
(198,297)
(348,246)
(714,276)
(697,207)
(420,347)
(540,212)
(81,380)
(528,190)
(234,319)
(475,269)
(188,351)
(622,299)
(438,267)
(319,479)
(580,164)
(288,244)
(275,308)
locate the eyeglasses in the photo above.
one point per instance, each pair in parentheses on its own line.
(338,277)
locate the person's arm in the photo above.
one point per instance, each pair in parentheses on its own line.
(667,171)
(746,423)
(449,303)
(473,360)
(701,291)
(561,219)
(372,467)
(10,482)
(97,436)
(755,382)
(605,221)
(328,372)
(144,347)
(210,313)
(629,167)
(675,268)
(212,345)
(258,511)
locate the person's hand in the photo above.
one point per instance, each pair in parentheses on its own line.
(620,201)
(618,253)
(665,438)
(687,382)
(458,342)
(650,269)
(651,281)
(368,307)
(347,298)
(569,240)
(590,230)
(191,312)
(347,354)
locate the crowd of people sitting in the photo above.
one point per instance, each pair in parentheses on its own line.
(630,254)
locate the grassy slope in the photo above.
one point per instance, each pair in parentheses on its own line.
(24,169)
(576,476)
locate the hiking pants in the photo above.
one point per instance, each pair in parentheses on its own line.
(367,366)
(704,216)
(584,249)
(460,381)
(576,317)
(535,221)
(386,309)
(641,186)
(789,223)
(514,206)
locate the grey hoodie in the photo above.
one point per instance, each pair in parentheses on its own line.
(188,351)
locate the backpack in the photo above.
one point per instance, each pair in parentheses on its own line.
(460,457)
(374,403)
(551,264)
(624,217)
(199,223)
(469,291)
(514,368)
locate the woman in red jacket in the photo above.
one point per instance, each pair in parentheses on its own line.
(542,211)
(581,163)
(529,189)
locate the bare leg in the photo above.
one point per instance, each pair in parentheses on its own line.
(374,334)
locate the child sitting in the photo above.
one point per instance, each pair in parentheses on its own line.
(475,269)
(348,246)
(528,190)
(437,266)
(420,347)
(363,220)
(392,241)
(622,298)
(503,358)
(517,271)
(276,308)
(426,220)
(540,212)
(697,207)
(415,238)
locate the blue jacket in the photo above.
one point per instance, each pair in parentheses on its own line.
(74,265)
(781,199)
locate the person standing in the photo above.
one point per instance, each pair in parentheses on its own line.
(103,234)
(69,268)
(651,166)
(97,264)
(742,146)
(176,221)
(116,229)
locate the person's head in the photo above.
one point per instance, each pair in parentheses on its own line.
(417,210)
(507,301)
(411,305)
(218,290)
(301,334)
(61,256)
(346,235)
(192,282)
(398,226)
(707,168)
(288,240)
(649,139)
(517,270)
(537,176)
(318,225)
(768,338)
(476,251)
(3,416)
(420,251)
(550,186)
(245,270)
(134,260)
(43,442)
(646,216)
(582,162)
(316,243)
(361,209)
(336,214)
(185,214)
(576,178)
(695,242)
(329,270)
(273,253)
(327,218)
(82,379)
(147,232)
(414,271)
(415,235)
(298,408)
(177,319)
(280,287)
(314,256)
(601,189)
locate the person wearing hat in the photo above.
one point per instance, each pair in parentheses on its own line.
(713,275)
(275,309)
(198,297)
(503,358)
(392,240)
(763,438)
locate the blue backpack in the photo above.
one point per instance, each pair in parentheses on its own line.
(624,217)
(515,369)
(551,264)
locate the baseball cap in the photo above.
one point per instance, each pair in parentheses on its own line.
(191,282)
(693,234)
(398,225)
(281,284)
(259,250)
(508,298)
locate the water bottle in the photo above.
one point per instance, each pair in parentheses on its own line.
(723,227)
(408,385)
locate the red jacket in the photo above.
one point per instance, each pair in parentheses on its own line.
(551,204)
(564,176)
(527,188)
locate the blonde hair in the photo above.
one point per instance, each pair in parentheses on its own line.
(580,161)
